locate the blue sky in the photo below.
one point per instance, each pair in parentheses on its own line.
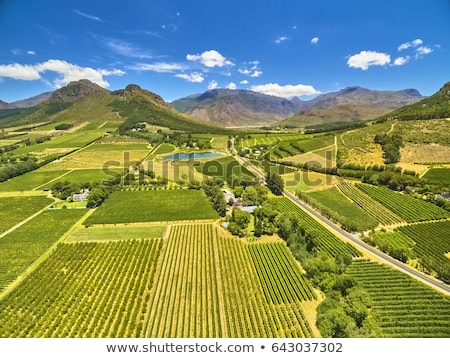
(176,48)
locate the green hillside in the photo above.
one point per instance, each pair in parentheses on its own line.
(138,106)
(433,107)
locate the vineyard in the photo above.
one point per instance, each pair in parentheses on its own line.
(402,306)
(292,148)
(323,239)
(279,274)
(20,248)
(194,283)
(431,245)
(333,204)
(31,180)
(84,290)
(438,175)
(371,206)
(16,209)
(101,155)
(209,287)
(405,206)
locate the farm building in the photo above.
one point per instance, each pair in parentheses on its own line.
(229,196)
(80,197)
(249,209)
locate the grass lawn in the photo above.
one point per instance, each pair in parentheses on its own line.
(153,205)
(117,233)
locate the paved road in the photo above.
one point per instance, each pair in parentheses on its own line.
(357,242)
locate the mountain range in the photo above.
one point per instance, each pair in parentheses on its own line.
(216,109)
(247,108)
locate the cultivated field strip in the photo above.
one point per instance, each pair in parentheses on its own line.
(402,306)
(405,206)
(279,274)
(207,286)
(432,243)
(370,205)
(323,239)
(84,290)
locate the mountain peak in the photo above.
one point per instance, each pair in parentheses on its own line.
(77,90)
(133,90)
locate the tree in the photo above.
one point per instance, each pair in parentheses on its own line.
(275,183)
(96,197)
(250,195)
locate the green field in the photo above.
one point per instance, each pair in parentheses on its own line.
(97,156)
(431,246)
(291,148)
(31,180)
(153,205)
(195,283)
(91,175)
(224,168)
(404,205)
(20,248)
(438,175)
(335,205)
(402,306)
(73,140)
(368,204)
(117,233)
(324,240)
(15,209)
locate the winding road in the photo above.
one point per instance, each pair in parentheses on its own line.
(438,285)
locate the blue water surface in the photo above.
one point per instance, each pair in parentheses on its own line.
(191,156)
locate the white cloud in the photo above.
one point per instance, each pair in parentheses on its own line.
(162,67)
(252,71)
(256,73)
(274,89)
(314,40)
(211,58)
(191,77)
(213,85)
(423,50)
(281,39)
(19,72)
(87,16)
(406,45)
(68,72)
(231,86)
(16,51)
(244,82)
(123,48)
(245,71)
(31,52)
(399,61)
(365,59)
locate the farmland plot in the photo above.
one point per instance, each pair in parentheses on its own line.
(402,306)
(192,284)
(20,248)
(154,205)
(100,155)
(208,287)
(16,209)
(405,206)
(84,290)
